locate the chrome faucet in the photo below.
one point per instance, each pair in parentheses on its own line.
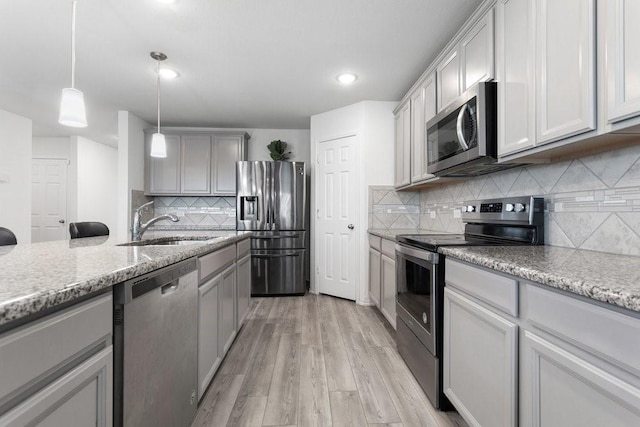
(138,229)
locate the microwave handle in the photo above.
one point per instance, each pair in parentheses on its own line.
(461,139)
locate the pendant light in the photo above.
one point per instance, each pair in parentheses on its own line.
(158,143)
(72,110)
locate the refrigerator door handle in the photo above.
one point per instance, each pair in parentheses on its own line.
(276,255)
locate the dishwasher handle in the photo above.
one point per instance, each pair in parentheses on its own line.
(165,278)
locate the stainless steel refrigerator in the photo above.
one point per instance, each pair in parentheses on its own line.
(272,201)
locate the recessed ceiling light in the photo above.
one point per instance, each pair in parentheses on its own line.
(347,78)
(167,73)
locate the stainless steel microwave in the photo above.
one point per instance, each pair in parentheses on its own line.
(462,139)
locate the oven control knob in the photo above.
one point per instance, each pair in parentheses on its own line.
(471,208)
(520,207)
(424,318)
(509,207)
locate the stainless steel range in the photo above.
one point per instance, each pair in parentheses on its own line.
(420,278)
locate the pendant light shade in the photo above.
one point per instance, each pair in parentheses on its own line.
(158,145)
(72,109)
(158,142)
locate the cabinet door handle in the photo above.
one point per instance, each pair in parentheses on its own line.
(351,226)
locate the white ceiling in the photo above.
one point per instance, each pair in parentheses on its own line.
(242,63)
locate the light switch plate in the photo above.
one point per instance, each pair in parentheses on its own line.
(432,214)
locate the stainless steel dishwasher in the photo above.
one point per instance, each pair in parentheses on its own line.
(156,344)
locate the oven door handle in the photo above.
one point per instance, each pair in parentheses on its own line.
(424,255)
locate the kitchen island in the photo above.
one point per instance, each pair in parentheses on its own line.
(36,279)
(67,355)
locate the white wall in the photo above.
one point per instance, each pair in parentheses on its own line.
(298,142)
(130,166)
(96,173)
(15,175)
(51,148)
(372,123)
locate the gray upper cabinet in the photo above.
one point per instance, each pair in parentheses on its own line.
(228,149)
(164,173)
(515,33)
(403,146)
(476,53)
(623,59)
(198,162)
(469,62)
(194,164)
(448,79)
(565,71)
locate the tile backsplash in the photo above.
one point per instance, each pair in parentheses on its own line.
(592,202)
(390,209)
(196,212)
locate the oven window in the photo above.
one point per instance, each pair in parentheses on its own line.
(415,290)
(443,139)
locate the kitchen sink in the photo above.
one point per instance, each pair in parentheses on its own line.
(170,241)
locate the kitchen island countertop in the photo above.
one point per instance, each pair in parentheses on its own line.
(40,276)
(605,277)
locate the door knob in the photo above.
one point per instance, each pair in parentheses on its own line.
(61,221)
(350,226)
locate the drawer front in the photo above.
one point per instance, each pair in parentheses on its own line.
(215,261)
(389,248)
(35,351)
(243,247)
(496,290)
(375,242)
(611,335)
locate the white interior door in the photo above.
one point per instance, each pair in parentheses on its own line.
(336,202)
(49,200)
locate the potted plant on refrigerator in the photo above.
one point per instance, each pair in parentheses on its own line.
(278,150)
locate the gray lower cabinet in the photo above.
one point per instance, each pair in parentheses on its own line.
(208,356)
(480,373)
(224,301)
(227,307)
(579,363)
(199,162)
(382,276)
(375,264)
(58,370)
(82,397)
(562,389)
(388,298)
(521,353)
(244,289)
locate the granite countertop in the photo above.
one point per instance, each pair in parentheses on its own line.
(38,276)
(610,278)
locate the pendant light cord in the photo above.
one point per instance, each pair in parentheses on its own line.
(158,90)
(73,43)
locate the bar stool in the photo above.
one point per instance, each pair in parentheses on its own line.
(7,237)
(87,229)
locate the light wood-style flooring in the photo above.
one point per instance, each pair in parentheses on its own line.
(316,360)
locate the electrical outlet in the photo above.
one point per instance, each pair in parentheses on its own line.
(456,213)
(432,215)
